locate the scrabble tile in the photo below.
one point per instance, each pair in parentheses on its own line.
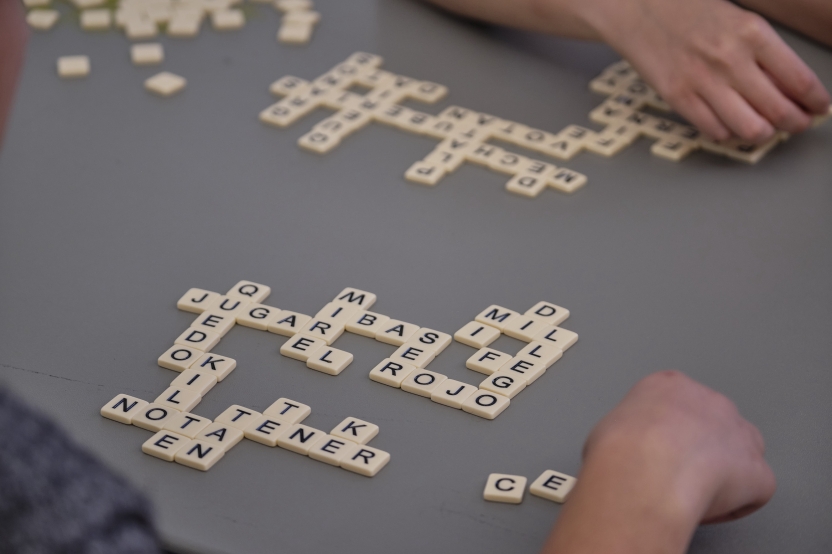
(331,450)
(327,331)
(424,173)
(153,417)
(496,316)
(452,393)
(391,373)
(299,438)
(164,445)
(507,163)
(427,92)
(179,358)
(302,16)
(198,339)
(237,416)
(288,323)
(553,485)
(366,461)
(566,180)
(96,20)
(229,305)
(199,381)
(123,408)
(548,312)
(483,154)
(138,28)
(186,424)
(148,54)
(485,404)
(319,141)
(336,311)
(547,354)
(287,85)
(221,434)
(215,364)
(501,487)
(355,430)
(524,327)
(396,332)
(520,368)
(623,131)
(301,347)
(476,334)
(196,300)
(199,455)
(563,148)
(431,340)
(449,161)
(257,316)
(537,168)
(422,382)
(505,383)
(605,145)
(487,361)
(329,360)
(73,66)
(356,297)
(672,149)
(42,20)
(265,429)
(557,336)
(165,83)
(412,354)
(184,26)
(214,321)
(178,398)
(294,33)
(366,323)
(227,20)
(288,410)
(293,5)
(526,185)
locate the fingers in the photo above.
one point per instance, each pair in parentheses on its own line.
(769,101)
(736,113)
(694,109)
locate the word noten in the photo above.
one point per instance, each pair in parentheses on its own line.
(464,134)
(625,119)
(551,485)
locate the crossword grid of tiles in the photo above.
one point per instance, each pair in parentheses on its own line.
(198,442)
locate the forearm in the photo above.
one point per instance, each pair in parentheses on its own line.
(810,17)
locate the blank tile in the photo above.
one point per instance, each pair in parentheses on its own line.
(184,26)
(165,83)
(228,305)
(215,364)
(502,487)
(223,435)
(477,334)
(179,358)
(412,354)
(299,438)
(366,323)
(355,430)
(337,311)
(295,33)
(524,327)
(227,20)
(43,20)
(331,450)
(526,185)
(536,351)
(265,429)
(366,461)
(566,180)
(214,321)
(258,316)
(396,332)
(391,373)
(496,316)
(452,393)
(140,28)
(485,404)
(164,445)
(487,361)
(300,347)
(178,398)
(557,336)
(96,20)
(153,417)
(237,416)
(548,312)
(425,173)
(553,485)
(196,300)
(326,330)
(288,323)
(422,382)
(431,340)
(186,424)
(195,380)
(522,368)
(196,338)
(123,408)
(329,360)
(199,455)
(505,383)
(73,66)
(288,410)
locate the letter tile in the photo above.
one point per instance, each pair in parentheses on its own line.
(214,321)
(331,450)
(487,361)
(227,20)
(150,53)
(422,382)
(229,305)
(258,316)
(186,424)
(197,300)
(288,323)
(123,408)
(42,20)
(496,316)
(548,312)
(355,430)
(526,185)
(557,336)
(199,455)
(410,353)
(164,445)
(288,410)
(215,364)
(195,380)
(485,404)
(566,180)
(196,338)
(396,332)
(524,327)
(329,360)
(337,311)
(452,393)
(553,486)
(299,438)
(547,354)
(237,416)
(476,334)
(223,435)
(179,358)
(366,461)
(265,429)
(164,83)
(425,173)
(505,383)
(431,340)
(501,487)
(300,347)
(73,66)
(524,369)
(391,373)
(327,331)
(366,323)
(355,297)
(154,417)
(178,398)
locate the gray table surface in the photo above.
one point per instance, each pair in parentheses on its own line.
(114,202)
